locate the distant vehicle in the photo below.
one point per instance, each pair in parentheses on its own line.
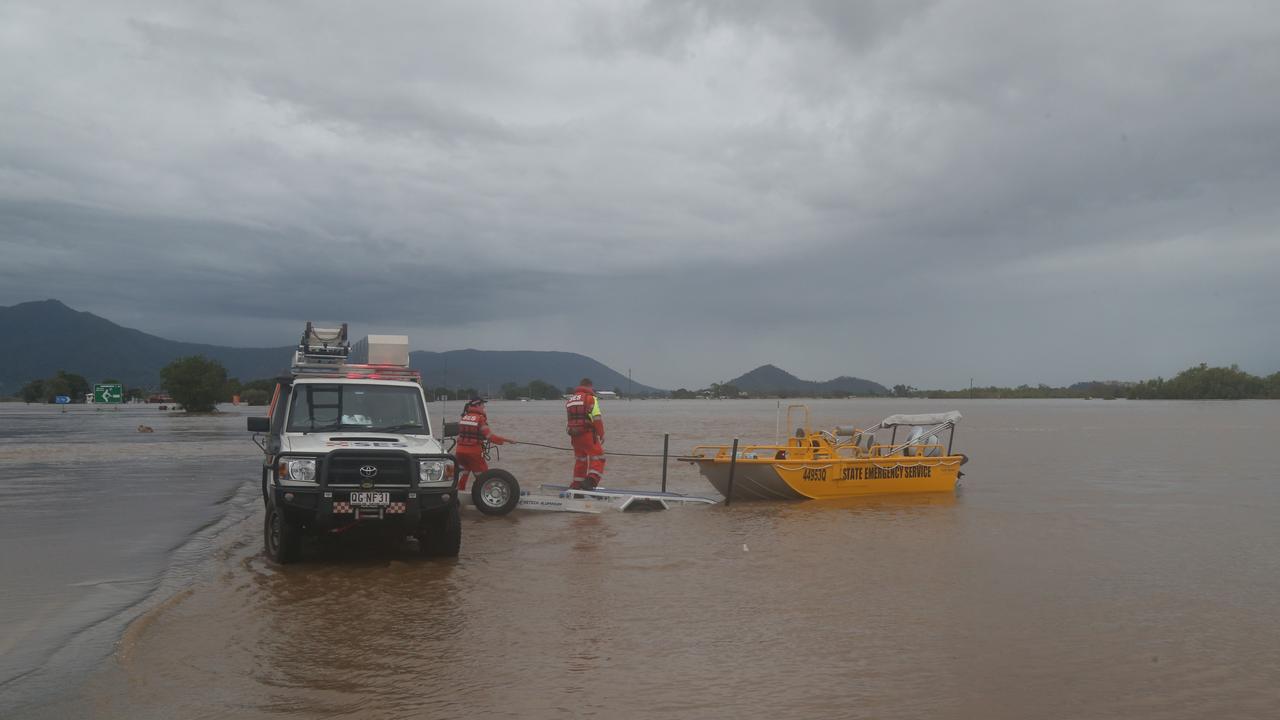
(160,398)
(349,446)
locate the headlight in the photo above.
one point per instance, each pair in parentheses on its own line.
(431,471)
(298,470)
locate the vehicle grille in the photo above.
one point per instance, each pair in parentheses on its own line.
(392,469)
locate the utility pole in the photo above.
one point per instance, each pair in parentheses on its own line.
(970,388)
(628,384)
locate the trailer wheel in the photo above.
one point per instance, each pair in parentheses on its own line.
(495,492)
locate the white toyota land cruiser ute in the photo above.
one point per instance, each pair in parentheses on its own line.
(348,444)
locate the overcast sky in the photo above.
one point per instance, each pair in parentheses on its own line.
(904,190)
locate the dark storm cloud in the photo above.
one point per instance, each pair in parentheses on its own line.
(185,268)
(914,192)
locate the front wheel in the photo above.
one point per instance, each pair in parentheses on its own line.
(440,534)
(282,538)
(495,492)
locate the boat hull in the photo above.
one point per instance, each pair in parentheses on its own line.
(756,479)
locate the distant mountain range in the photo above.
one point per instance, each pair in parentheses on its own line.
(46,336)
(43,337)
(487,370)
(772,380)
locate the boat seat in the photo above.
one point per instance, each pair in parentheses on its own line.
(913,448)
(865,441)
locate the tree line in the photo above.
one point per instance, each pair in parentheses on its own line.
(1195,383)
(535,390)
(61,383)
(198,384)
(1209,383)
(717,390)
(71,385)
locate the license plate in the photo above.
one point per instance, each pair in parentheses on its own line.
(370,499)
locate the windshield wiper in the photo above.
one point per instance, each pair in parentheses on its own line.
(400,428)
(341,426)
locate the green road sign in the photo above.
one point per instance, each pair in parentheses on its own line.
(109,393)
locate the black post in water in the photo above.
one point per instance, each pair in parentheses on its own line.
(666,439)
(733,464)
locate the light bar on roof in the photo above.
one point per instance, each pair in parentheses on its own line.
(359,372)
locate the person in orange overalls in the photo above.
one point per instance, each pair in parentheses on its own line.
(586,433)
(473,431)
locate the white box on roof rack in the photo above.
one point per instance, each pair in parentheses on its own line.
(381,350)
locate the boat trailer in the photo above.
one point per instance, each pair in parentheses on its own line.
(562,498)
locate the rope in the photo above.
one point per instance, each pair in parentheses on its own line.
(569,449)
(522,442)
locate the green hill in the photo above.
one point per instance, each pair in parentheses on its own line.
(772,380)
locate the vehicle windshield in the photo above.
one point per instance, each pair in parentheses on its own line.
(373,408)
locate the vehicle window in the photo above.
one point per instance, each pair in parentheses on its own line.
(375,408)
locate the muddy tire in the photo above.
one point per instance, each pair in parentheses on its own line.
(495,492)
(281,537)
(440,534)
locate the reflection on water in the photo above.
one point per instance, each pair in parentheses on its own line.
(1105,560)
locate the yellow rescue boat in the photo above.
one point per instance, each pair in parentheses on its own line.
(846,462)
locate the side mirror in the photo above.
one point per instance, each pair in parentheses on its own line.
(259,424)
(451,429)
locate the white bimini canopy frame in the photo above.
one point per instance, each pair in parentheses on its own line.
(925,419)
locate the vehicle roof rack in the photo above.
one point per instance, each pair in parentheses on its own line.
(322,348)
(324,353)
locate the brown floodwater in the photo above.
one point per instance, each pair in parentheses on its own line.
(1103,559)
